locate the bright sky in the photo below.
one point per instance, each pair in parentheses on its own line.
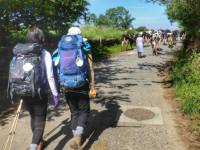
(150,15)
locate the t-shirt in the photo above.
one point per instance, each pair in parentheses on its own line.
(139,41)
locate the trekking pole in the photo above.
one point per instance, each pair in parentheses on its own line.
(13,128)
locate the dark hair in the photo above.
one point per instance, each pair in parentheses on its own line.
(35,35)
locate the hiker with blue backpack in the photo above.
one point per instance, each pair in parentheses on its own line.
(76,78)
(30,76)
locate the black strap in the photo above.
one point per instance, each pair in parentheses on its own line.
(32,83)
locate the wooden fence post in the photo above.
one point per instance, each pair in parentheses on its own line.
(100,42)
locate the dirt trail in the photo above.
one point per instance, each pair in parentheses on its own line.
(123,80)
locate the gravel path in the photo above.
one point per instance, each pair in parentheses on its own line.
(121,80)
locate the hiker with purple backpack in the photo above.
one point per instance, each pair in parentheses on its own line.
(30,76)
(76,78)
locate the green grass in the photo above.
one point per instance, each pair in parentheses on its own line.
(105,51)
(105,33)
(94,33)
(100,52)
(186,76)
(114,49)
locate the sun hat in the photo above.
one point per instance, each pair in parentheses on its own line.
(74,31)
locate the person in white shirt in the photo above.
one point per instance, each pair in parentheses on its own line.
(36,107)
(140,46)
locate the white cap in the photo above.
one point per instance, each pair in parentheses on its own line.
(74,31)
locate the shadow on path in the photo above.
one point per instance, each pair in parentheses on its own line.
(64,130)
(105,118)
(100,121)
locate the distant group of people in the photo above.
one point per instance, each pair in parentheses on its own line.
(31,76)
(153,38)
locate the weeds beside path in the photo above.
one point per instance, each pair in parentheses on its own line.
(182,93)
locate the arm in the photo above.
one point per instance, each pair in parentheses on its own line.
(90,70)
(87,48)
(49,73)
(92,92)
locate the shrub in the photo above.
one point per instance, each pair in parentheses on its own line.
(186,76)
(17,36)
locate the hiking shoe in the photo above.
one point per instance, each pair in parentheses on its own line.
(75,142)
(143,56)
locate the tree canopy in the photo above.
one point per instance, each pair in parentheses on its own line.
(48,14)
(118,17)
(141,29)
(187,13)
(90,19)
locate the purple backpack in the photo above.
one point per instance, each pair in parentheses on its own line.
(73,63)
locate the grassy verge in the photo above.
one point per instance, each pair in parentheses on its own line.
(102,52)
(114,49)
(94,33)
(186,77)
(107,36)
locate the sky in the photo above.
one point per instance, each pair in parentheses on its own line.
(150,15)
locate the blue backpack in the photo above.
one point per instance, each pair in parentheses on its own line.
(73,69)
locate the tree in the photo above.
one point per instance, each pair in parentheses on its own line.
(119,17)
(166,2)
(103,21)
(141,29)
(48,14)
(90,19)
(187,13)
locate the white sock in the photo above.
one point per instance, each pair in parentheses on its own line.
(79,130)
(33,147)
(73,131)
